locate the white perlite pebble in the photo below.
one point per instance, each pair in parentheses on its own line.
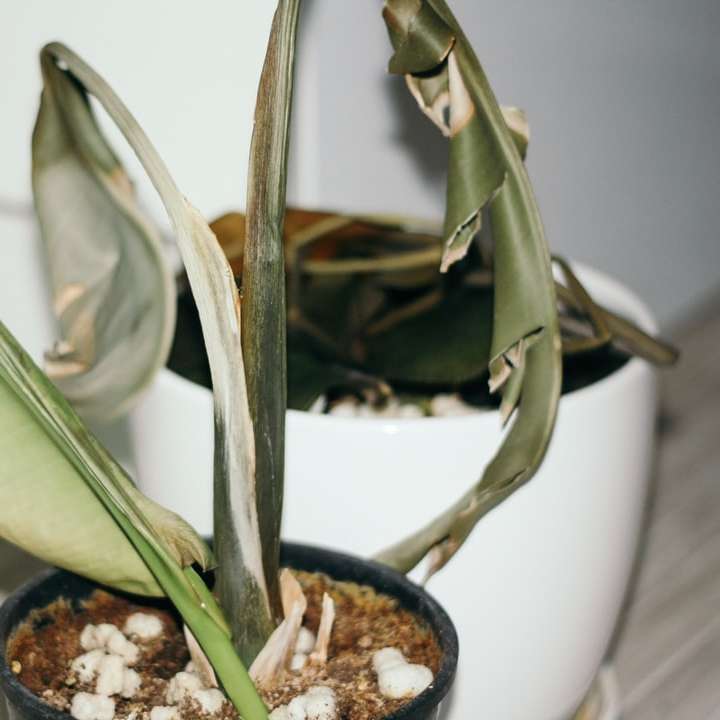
(393,408)
(345,408)
(163,712)
(209,700)
(365,411)
(410,411)
(110,675)
(298,661)
(450,406)
(182,685)
(404,681)
(386,658)
(280,713)
(143,625)
(97,636)
(131,683)
(305,641)
(107,637)
(86,706)
(118,644)
(296,708)
(398,679)
(318,703)
(86,666)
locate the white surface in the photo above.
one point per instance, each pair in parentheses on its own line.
(188,71)
(24,295)
(537,589)
(623,100)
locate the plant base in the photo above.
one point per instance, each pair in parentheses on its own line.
(48,587)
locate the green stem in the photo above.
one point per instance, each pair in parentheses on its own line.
(214,639)
(263,316)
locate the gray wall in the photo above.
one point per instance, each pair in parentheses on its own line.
(624,107)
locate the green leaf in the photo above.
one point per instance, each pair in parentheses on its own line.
(519,128)
(525,353)
(264,350)
(447,345)
(310,375)
(426,54)
(55,479)
(114,294)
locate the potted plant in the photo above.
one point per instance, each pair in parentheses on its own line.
(448,81)
(70,503)
(567,538)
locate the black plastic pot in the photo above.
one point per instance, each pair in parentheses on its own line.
(52,584)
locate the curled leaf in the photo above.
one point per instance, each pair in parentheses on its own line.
(519,128)
(422,39)
(485,168)
(114,294)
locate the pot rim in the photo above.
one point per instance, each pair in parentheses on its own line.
(312,558)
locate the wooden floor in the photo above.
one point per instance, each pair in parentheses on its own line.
(668,650)
(667,653)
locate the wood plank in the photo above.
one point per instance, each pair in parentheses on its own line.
(669,651)
(691,691)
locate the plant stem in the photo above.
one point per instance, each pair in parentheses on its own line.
(264,323)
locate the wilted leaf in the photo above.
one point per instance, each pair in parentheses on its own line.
(114,294)
(519,128)
(425,54)
(255,611)
(485,167)
(447,345)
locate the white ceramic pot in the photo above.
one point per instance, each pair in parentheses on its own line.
(536,591)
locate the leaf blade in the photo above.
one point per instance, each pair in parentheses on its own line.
(113,290)
(525,348)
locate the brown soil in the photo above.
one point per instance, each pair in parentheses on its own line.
(42,649)
(45,645)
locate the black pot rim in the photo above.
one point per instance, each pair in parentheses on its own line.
(337,565)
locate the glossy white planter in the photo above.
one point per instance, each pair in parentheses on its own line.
(536,591)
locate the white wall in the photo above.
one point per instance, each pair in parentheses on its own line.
(624,105)
(187,70)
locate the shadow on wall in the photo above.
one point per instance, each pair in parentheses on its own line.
(416,134)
